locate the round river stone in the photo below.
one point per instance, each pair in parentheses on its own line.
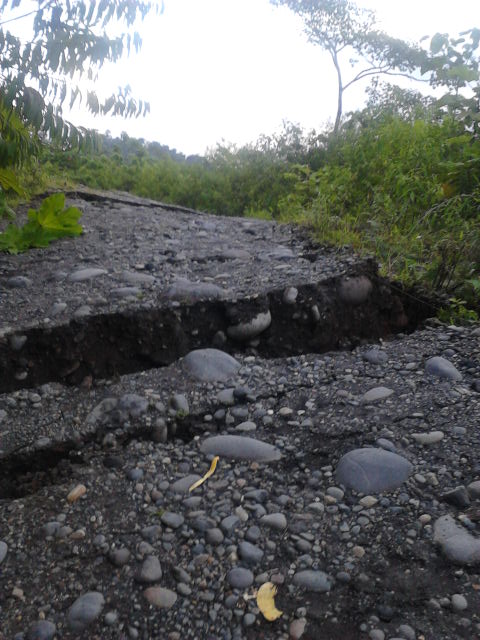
(210,365)
(85,610)
(312,580)
(372,470)
(240,448)
(438,366)
(252,328)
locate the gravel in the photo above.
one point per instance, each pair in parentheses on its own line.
(336,515)
(363,513)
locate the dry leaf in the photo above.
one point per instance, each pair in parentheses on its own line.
(266,602)
(207,475)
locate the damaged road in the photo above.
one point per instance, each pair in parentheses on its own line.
(348,472)
(144,286)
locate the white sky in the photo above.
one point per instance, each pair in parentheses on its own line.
(230,70)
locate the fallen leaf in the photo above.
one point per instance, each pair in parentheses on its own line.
(207,475)
(266,602)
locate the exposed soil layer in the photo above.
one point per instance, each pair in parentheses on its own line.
(146,283)
(108,345)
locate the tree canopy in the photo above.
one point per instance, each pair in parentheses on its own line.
(39,73)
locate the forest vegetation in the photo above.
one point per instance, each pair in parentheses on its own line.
(399,178)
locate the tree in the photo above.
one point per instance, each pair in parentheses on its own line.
(40,73)
(454,64)
(339,27)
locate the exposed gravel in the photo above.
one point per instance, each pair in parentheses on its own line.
(361,508)
(359,561)
(156,252)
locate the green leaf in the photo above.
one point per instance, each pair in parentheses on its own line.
(50,222)
(437,42)
(54,219)
(12,240)
(458,140)
(475,282)
(9,181)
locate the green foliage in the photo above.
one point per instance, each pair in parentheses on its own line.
(51,222)
(6,210)
(382,191)
(389,100)
(38,76)
(8,182)
(457,313)
(229,181)
(69,41)
(453,62)
(16,140)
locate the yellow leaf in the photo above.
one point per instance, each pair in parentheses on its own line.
(207,475)
(266,602)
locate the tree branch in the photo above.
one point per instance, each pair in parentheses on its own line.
(381,71)
(25,15)
(367,72)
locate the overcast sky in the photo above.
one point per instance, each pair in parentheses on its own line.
(230,70)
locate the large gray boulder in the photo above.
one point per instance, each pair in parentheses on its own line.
(372,470)
(442,368)
(252,328)
(355,290)
(210,365)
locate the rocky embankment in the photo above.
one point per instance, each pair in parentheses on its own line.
(348,472)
